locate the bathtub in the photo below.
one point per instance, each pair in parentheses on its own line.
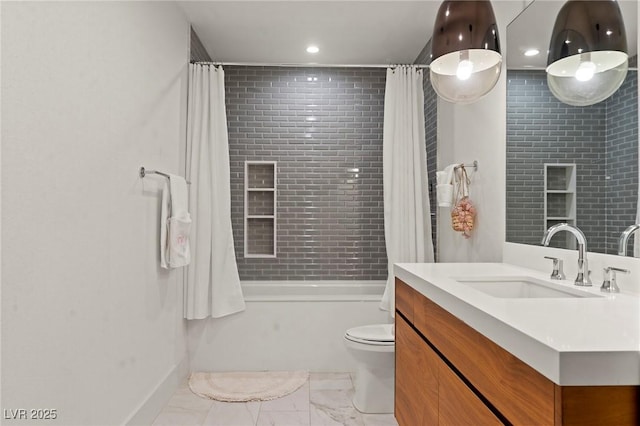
(312,291)
(287,325)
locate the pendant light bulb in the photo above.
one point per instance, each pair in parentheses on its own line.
(585,71)
(465,66)
(465,51)
(588,58)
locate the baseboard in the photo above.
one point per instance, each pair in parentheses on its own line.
(149,409)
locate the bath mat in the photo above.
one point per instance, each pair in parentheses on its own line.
(247,385)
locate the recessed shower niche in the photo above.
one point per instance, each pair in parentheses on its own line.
(260,209)
(560,198)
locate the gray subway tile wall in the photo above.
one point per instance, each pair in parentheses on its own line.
(622,159)
(261,176)
(541,129)
(324,128)
(262,234)
(431,135)
(557,178)
(556,205)
(260,203)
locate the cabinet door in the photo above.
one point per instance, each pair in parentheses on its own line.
(416,400)
(519,392)
(459,406)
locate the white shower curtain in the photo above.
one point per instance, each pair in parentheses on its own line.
(212,286)
(407,224)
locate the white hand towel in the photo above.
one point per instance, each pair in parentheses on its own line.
(179,224)
(444,188)
(164,223)
(175,224)
(179,252)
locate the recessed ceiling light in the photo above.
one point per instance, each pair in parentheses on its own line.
(313,49)
(531,52)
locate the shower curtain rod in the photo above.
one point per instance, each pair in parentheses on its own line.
(265,64)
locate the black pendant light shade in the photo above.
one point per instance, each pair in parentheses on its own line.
(588,58)
(465,51)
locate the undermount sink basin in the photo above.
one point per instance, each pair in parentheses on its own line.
(520,288)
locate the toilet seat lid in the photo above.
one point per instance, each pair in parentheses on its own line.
(372,334)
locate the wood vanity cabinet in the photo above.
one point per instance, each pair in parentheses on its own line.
(449,374)
(416,378)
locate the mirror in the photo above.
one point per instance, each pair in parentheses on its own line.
(564,163)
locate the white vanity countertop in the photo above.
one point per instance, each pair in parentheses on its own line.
(571,341)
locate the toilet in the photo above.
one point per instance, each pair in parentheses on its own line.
(373,347)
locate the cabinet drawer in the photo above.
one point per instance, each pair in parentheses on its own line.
(405,297)
(459,406)
(515,389)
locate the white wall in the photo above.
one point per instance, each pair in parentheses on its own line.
(90,92)
(478,132)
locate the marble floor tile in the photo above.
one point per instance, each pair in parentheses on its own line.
(184,408)
(321,415)
(337,382)
(379,420)
(297,401)
(233,414)
(184,398)
(333,407)
(283,418)
(339,398)
(325,400)
(329,376)
(171,416)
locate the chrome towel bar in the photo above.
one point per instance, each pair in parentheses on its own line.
(474,166)
(144,172)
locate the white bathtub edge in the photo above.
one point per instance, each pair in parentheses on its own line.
(312,291)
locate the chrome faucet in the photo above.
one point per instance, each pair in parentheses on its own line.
(610,285)
(623,242)
(583,267)
(557,273)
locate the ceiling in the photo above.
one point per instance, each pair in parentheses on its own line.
(347,32)
(533,27)
(358,31)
